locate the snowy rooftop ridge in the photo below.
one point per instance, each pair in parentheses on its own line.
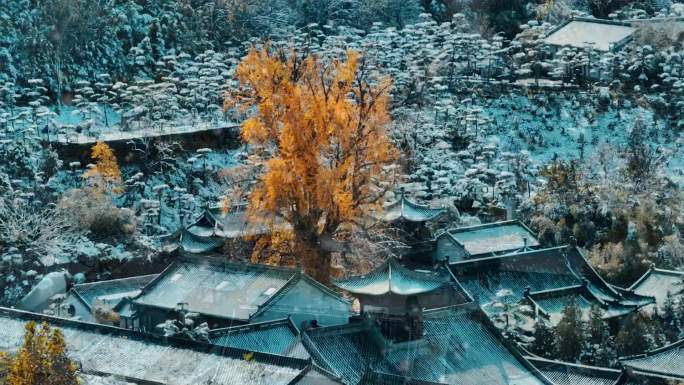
(543,270)
(111,292)
(279,337)
(392,277)
(409,210)
(602,35)
(494,237)
(658,283)
(460,346)
(565,373)
(667,361)
(216,288)
(171,361)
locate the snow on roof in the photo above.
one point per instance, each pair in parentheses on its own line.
(553,302)
(658,283)
(275,337)
(601,34)
(493,237)
(113,291)
(458,347)
(89,379)
(127,354)
(315,375)
(391,277)
(564,373)
(541,270)
(215,288)
(667,361)
(408,210)
(232,224)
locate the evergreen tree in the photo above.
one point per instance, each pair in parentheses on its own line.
(633,336)
(543,344)
(569,334)
(679,311)
(668,319)
(596,327)
(600,347)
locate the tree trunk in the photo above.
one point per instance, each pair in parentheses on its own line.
(315,260)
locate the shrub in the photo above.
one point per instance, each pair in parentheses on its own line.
(90,210)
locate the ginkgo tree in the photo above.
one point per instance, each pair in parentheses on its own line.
(321,129)
(42,359)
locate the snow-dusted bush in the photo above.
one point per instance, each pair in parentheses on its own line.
(31,228)
(90,210)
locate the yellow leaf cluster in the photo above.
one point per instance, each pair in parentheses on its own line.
(324,129)
(106,174)
(42,359)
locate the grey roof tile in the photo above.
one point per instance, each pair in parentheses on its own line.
(667,361)
(215,288)
(457,348)
(275,337)
(391,277)
(563,373)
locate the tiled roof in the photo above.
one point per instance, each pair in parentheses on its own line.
(601,34)
(315,375)
(107,350)
(275,337)
(198,244)
(232,224)
(112,292)
(410,211)
(563,373)
(304,298)
(658,283)
(552,303)
(391,277)
(493,238)
(541,271)
(215,288)
(458,347)
(667,361)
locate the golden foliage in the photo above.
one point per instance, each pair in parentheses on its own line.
(105,175)
(5,365)
(323,130)
(42,359)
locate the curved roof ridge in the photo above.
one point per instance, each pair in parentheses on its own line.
(652,352)
(392,277)
(407,209)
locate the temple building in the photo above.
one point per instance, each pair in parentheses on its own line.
(416,327)
(227,294)
(546,280)
(116,294)
(666,363)
(279,337)
(459,346)
(396,296)
(414,223)
(596,34)
(214,227)
(136,358)
(659,283)
(484,241)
